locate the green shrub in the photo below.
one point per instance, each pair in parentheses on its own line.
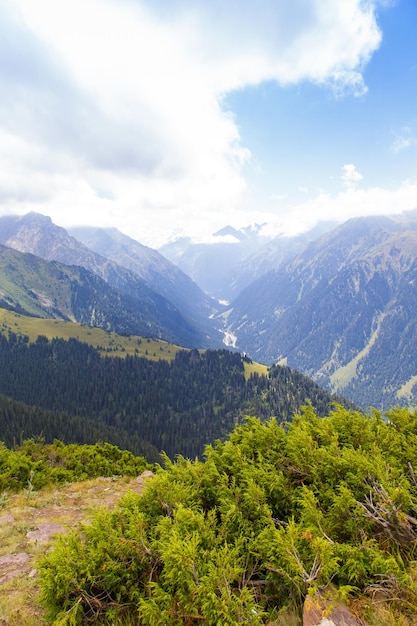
(273,513)
(43,464)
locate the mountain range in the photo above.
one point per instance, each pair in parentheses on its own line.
(168,304)
(31,286)
(342,311)
(160,274)
(235,257)
(212,265)
(338,303)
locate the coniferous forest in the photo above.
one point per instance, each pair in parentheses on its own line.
(20,422)
(177,407)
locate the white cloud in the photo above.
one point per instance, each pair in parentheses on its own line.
(127,96)
(350,176)
(349,203)
(403,140)
(345,82)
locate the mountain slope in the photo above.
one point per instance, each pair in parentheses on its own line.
(19,420)
(342,312)
(30,285)
(37,234)
(164,277)
(177,406)
(235,258)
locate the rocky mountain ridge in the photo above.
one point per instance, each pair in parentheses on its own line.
(48,289)
(342,312)
(37,234)
(163,276)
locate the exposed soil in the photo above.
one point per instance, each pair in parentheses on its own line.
(28,523)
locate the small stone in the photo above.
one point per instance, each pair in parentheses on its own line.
(145,474)
(6,519)
(44,532)
(14,559)
(323,611)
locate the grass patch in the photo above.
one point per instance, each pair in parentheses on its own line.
(255,368)
(19,603)
(107,343)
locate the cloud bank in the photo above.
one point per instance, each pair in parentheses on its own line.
(112,112)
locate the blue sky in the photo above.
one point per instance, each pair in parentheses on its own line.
(169,118)
(303,135)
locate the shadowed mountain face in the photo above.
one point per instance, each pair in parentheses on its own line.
(48,289)
(37,234)
(163,276)
(343,312)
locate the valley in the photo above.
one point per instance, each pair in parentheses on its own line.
(336,303)
(112,365)
(176,405)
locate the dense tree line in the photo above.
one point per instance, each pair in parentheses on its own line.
(274,513)
(20,422)
(178,407)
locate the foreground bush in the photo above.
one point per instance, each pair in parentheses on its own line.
(36,464)
(272,514)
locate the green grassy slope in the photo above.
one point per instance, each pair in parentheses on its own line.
(106,342)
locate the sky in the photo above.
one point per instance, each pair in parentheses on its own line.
(177,117)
